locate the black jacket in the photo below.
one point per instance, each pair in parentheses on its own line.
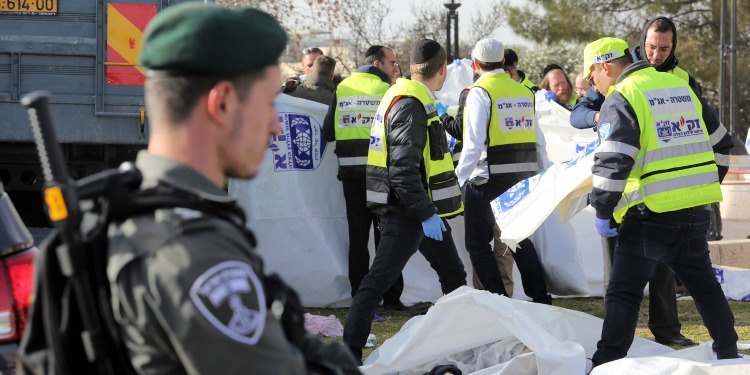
(406,139)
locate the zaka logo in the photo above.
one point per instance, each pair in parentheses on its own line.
(664,130)
(301,145)
(679,129)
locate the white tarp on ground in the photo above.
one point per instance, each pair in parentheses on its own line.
(461,328)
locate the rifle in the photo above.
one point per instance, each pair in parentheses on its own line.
(73,255)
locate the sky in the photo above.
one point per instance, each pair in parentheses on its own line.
(466,11)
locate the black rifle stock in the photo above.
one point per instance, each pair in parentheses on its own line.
(61,200)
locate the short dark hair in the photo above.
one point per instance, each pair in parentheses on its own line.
(661,25)
(429,68)
(376,52)
(511,58)
(175,97)
(487,66)
(324,65)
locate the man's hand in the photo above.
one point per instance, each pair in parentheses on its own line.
(550,96)
(289,86)
(434,227)
(603,227)
(441,109)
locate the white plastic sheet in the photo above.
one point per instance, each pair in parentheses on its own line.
(697,360)
(524,207)
(459,76)
(734,282)
(560,340)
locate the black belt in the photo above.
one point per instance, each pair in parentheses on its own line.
(636,211)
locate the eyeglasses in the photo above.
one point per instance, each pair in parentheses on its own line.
(310,50)
(591,80)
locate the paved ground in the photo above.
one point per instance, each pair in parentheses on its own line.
(735,229)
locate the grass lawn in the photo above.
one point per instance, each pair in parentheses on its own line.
(692,325)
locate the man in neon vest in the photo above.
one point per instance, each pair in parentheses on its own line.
(501,145)
(348,123)
(511,66)
(656,174)
(412,186)
(663,320)
(557,87)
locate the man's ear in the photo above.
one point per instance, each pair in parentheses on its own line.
(218,101)
(606,67)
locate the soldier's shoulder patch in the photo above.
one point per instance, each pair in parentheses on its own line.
(604,130)
(230,296)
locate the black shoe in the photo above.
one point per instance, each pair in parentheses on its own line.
(397,306)
(678,340)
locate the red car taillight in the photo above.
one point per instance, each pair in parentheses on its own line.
(16,288)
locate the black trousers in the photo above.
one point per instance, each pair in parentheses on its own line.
(479,223)
(360,220)
(663,320)
(402,237)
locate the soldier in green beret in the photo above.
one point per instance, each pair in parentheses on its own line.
(188,290)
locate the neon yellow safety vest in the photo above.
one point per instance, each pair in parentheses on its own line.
(675,166)
(680,73)
(442,183)
(573,99)
(511,150)
(526,82)
(357,99)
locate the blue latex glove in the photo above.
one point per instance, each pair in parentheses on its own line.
(434,227)
(441,109)
(602,226)
(551,96)
(457,61)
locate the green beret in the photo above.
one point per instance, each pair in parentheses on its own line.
(197,38)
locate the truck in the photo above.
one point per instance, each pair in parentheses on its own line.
(85,54)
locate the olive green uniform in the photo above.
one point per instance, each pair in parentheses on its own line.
(187,288)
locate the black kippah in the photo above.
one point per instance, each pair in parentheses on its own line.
(549,68)
(424,50)
(373,50)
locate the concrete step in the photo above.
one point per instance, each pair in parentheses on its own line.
(734,253)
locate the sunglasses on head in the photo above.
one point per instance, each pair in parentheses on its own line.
(310,50)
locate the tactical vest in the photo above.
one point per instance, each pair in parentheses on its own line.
(357,99)
(675,166)
(442,184)
(511,132)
